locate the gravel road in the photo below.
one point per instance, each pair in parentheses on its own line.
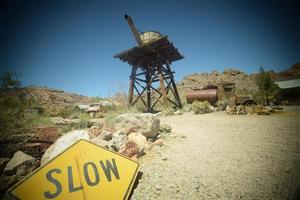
(219,156)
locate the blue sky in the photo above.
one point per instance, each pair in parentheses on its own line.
(70,45)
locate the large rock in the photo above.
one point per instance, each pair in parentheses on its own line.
(146,123)
(18,160)
(63,143)
(139,139)
(119,139)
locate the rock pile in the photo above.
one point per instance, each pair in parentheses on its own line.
(253,109)
(132,136)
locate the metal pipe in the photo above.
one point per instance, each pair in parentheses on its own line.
(133,29)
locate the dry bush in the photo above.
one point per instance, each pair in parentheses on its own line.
(201,107)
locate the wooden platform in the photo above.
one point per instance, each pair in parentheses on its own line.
(144,55)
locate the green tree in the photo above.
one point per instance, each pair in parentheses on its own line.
(266,85)
(9,80)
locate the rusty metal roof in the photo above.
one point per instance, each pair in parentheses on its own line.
(143,54)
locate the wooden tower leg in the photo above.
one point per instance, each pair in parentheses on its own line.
(162,85)
(131,85)
(148,90)
(176,94)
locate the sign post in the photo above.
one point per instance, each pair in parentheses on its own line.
(84,171)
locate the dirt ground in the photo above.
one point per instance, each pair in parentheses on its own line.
(220,156)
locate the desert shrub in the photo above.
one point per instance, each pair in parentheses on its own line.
(222,104)
(69,112)
(201,107)
(99,115)
(267,87)
(13,119)
(39,119)
(110,121)
(12,116)
(84,121)
(187,107)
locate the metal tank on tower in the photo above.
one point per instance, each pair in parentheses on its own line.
(152,79)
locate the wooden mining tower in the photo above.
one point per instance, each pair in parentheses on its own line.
(151,76)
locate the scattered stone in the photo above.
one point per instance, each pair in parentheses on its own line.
(94,131)
(145,123)
(63,143)
(119,139)
(157,187)
(130,149)
(105,134)
(55,120)
(97,122)
(178,112)
(63,121)
(240,110)
(139,139)
(164,128)
(103,143)
(160,114)
(230,110)
(165,158)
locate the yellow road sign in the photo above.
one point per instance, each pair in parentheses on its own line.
(84,171)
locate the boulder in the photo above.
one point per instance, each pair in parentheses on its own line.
(21,162)
(138,138)
(145,123)
(119,139)
(102,143)
(63,143)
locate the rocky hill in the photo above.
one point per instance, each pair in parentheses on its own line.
(245,83)
(52,100)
